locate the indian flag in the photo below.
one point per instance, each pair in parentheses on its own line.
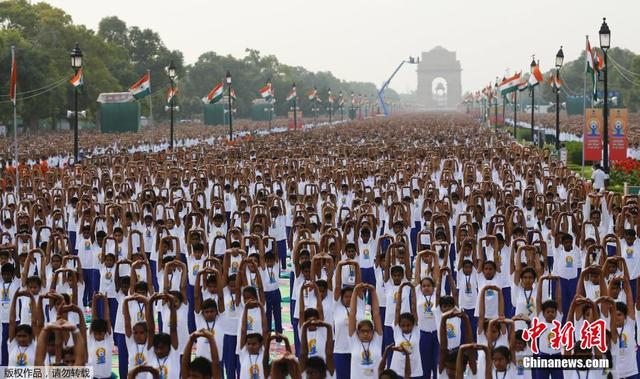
(554,80)
(292,95)
(142,87)
(265,91)
(523,85)
(171,93)
(509,85)
(536,76)
(591,68)
(214,95)
(77,79)
(312,94)
(233,94)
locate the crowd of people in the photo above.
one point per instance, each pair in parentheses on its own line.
(416,246)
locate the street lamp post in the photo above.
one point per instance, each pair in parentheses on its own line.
(171,71)
(230,110)
(295,106)
(76,64)
(495,105)
(341,107)
(559,62)
(330,105)
(605,43)
(533,102)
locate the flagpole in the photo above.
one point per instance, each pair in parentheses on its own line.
(15,125)
(584,108)
(150,102)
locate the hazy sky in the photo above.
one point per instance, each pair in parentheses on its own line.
(365,40)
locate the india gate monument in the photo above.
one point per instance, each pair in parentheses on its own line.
(439,79)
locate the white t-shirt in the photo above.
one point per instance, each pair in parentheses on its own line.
(425,306)
(392,295)
(169,366)
(138,353)
(491,297)
(251,365)
(202,347)
(317,340)
(565,263)
(624,351)
(412,343)
(107,281)
(467,289)
(230,317)
(453,329)
(365,357)
(544,341)
(341,327)
(21,356)
(100,355)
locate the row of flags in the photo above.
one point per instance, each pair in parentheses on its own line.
(594,64)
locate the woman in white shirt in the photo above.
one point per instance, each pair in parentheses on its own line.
(365,337)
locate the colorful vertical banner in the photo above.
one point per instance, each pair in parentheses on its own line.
(592,134)
(618,126)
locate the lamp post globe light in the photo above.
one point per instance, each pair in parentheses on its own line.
(533,102)
(330,104)
(605,44)
(228,80)
(556,88)
(495,105)
(76,64)
(171,72)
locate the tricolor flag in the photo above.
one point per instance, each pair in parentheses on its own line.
(536,76)
(214,95)
(510,84)
(265,91)
(523,85)
(142,87)
(14,77)
(330,99)
(292,95)
(554,80)
(312,94)
(341,100)
(171,93)
(233,94)
(591,68)
(77,79)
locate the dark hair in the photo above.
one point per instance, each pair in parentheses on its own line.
(24,328)
(321,283)
(177,294)
(447,300)
(161,339)
(257,336)
(34,279)
(250,291)
(202,366)
(622,307)
(490,263)
(198,246)
(397,270)
(209,304)
(99,325)
(7,268)
(504,351)
(408,316)
(316,364)
(269,255)
(310,313)
(141,286)
(549,304)
(630,233)
(305,265)
(390,373)
(529,269)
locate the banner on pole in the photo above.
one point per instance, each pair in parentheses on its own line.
(618,127)
(592,134)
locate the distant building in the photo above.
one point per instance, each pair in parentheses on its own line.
(439,80)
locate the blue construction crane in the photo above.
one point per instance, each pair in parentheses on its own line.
(411,60)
